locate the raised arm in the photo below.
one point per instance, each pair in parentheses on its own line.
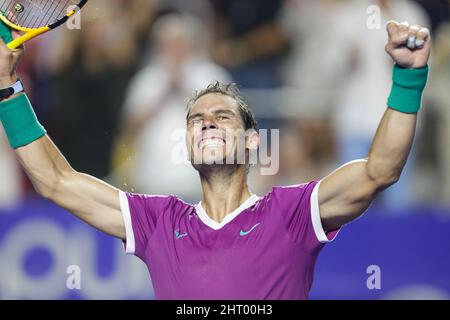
(347,193)
(90,199)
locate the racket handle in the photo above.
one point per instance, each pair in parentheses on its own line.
(15,43)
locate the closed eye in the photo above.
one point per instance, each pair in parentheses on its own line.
(195,121)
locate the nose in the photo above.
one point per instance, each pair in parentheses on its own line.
(208,124)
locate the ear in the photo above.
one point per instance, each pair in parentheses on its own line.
(253,140)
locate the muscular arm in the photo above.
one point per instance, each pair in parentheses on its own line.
(88,198)
(347,193)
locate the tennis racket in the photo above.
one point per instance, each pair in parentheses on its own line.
(35,17)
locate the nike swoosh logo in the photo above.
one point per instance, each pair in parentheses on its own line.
(178,235)
(245,233)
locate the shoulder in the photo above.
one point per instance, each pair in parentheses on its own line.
(289,200)
(298,207)
(292,192)
(153,204)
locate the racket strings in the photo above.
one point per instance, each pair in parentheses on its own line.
(35,13)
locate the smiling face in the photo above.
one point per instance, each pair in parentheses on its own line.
(216,131)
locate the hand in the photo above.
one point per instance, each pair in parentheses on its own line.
(9,60)
(409,46)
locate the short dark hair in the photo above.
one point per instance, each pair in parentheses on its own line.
(230,90)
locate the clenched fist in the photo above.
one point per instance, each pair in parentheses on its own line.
(409,46)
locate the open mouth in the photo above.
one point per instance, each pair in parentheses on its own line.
(211,142)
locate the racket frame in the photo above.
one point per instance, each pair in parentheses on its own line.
(30,33)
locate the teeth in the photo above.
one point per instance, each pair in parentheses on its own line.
(213,142)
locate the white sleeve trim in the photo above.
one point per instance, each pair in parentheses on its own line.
(124,207)
(315,216)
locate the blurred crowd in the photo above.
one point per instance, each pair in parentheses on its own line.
(112,95)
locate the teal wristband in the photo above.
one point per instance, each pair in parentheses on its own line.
(5,33)
(407,89)
(20,122)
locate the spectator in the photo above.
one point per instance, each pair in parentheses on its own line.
(249,41)
(342,68)
(97,63)
(364,92)
(313,74)
(155,105)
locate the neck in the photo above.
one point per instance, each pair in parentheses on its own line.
(224,190)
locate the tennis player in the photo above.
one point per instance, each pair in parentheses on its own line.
(234,244)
